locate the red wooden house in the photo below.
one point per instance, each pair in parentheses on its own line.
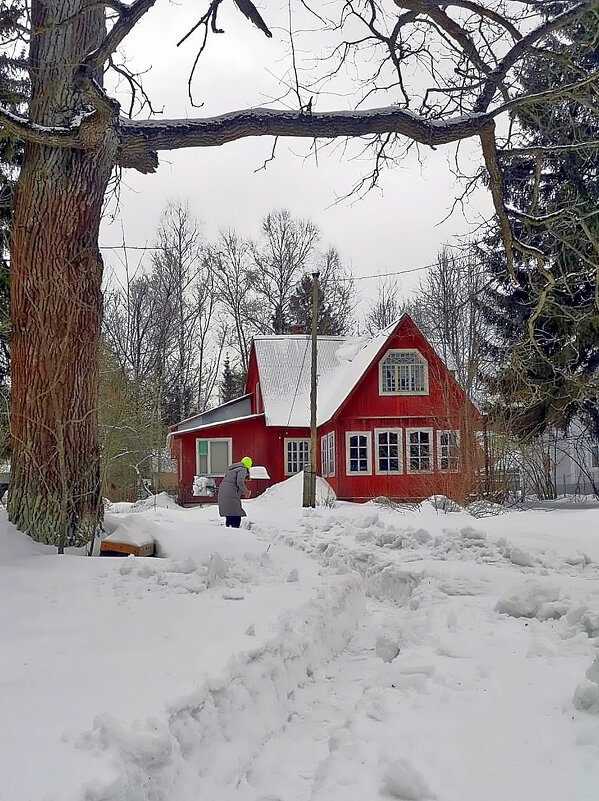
(391,419)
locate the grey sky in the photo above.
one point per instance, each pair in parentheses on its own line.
(394,228)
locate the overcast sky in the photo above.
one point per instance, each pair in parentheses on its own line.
(395,228)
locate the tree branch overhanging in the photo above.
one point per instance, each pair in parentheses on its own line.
(23,128)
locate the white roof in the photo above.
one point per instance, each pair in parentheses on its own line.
(284,369)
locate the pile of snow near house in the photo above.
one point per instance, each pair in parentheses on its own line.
(355,652)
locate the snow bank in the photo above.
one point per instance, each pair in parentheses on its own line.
(586,696)
(134,530)
(211,735)
(155,657)
(289,494)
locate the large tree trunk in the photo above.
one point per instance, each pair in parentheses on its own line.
(56,274)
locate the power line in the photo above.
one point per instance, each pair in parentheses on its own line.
(349,278)
(131,247)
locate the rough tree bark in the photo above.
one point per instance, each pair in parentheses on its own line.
(56,274)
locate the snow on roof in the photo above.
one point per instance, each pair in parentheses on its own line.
(212,424)
(284,370)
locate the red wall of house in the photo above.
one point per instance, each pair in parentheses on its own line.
(445,407)
(445,398)
(405,486)
(251,380)
(250,437)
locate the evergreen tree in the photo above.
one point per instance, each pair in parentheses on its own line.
(546,322)
(232,384)
(335,299)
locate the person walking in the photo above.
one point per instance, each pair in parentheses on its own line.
(231,490)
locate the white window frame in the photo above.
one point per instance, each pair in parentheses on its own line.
(440,447)
(594,454)
(368,435)
(409,470)
(209,472)
(384,392)
(327,455)
(286,442)
(377,468)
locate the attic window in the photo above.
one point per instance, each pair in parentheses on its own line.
(403,372)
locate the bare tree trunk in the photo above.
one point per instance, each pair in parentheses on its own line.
(56,272)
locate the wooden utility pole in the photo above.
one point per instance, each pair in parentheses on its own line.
(310,470)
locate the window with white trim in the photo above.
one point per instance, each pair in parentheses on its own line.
(387,451)
(358,453)
(327,454)
(297,455)
(403,372)
(594,456)
(448,450)
(419,450)
(213,456)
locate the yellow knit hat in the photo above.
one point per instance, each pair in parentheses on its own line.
(246,462)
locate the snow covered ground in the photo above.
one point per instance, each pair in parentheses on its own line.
(348,652)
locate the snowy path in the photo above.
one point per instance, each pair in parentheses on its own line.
(476,704)
(445,719)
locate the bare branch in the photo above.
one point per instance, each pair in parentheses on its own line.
(129,16)
(249,10)
(487,139)
(23,128)
(212,131)
(525,43)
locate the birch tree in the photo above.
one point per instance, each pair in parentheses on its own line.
(181,278)
(229,263)
(443,71)
(447,309)
(281,258)
(386,307)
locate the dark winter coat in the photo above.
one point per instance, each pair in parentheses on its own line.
(231,488)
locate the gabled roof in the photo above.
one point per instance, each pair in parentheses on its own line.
(284,372)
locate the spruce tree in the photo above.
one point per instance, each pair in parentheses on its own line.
(546,323)
(336,298)
(232,384)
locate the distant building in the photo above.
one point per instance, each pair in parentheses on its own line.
(391,419)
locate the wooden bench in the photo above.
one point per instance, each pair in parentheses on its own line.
(112,548)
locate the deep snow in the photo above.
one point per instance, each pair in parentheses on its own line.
(354,652)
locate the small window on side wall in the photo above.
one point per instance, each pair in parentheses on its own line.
(297,455)
(327,454)
(403,372)
(213,456)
